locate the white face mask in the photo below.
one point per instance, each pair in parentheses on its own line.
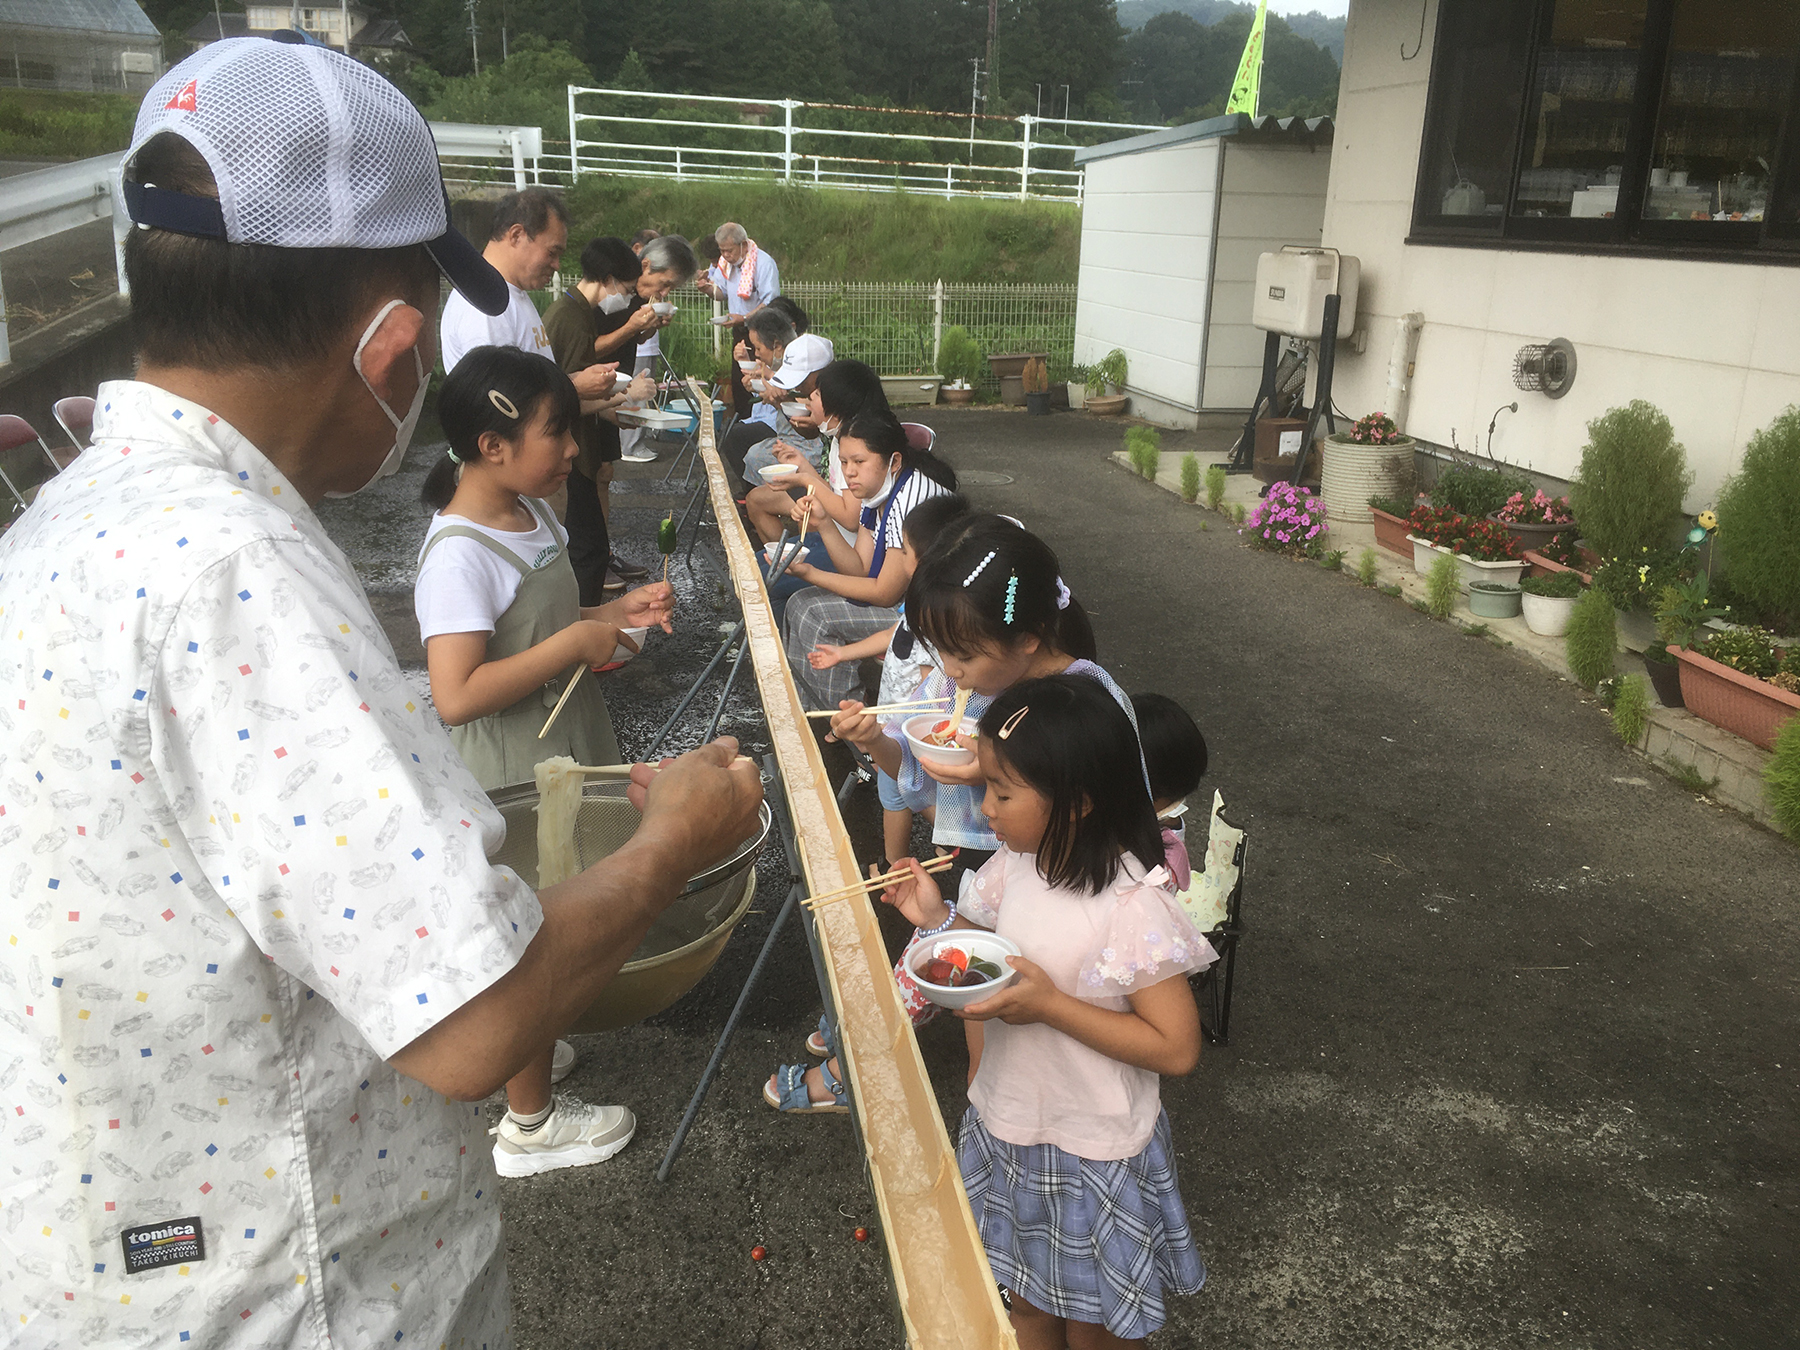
(886,487)
(403,426)
(831,430)
(612,304)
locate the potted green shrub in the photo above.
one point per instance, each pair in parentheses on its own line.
(1759,527)
(1108,373)
(1372,458)
(961,364)
(1494,599)
(1682,608)
(1739,680)
(1547,602)
(1627,493)
(1079,378)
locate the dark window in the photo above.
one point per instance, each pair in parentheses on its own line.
(1614,123)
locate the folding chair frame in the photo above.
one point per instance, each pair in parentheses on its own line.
(1213,987)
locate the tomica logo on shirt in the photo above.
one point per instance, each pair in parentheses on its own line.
(167,1243)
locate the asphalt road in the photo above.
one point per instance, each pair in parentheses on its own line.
(1514,1057)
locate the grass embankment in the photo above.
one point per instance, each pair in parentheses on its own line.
(822,234)
(48,124)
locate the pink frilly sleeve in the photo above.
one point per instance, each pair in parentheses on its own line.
(1147,939)
(979,901)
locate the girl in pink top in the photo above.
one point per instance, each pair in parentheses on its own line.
(1065,1150)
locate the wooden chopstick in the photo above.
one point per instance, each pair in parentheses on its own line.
(885,707)
(624,770)
(869,885)
(575,679)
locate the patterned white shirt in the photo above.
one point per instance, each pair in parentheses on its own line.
(241,868)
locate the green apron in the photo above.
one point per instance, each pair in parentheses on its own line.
(503,748)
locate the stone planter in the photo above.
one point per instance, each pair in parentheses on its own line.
(1494,600)
(1530,536)
(1351,473)
(1546,615)
(1109,406)
(1665,678)
(1733,701)
(911,390)
(1391,532)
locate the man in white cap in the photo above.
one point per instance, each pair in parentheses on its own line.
(260,975)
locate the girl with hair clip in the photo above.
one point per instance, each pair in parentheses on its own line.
(858,599)
(1065,1151)
(501,617)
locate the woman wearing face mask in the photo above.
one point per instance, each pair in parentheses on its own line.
(889,478)
(590,324)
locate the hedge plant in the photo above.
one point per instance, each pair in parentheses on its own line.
(1627,493)
(1190,477)
(1781,780)
(1759,523)
(1591,639)
(1441,587)
(959,356)
(1631,709)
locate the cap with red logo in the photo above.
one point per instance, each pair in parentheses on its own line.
(309,149)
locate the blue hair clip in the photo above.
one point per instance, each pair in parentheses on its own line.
(1012,592)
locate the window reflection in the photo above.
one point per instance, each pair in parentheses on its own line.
(1579,109)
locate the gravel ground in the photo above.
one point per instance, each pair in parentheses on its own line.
(1513,1058)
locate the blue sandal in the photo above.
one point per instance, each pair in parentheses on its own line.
(818,1045)
(789,1092)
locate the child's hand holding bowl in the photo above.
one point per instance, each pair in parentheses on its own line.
(966,775)
(1029,997)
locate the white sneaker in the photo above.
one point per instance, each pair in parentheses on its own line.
(562,1062)
(575,1135)
(639,456)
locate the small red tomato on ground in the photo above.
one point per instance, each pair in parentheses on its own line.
(758,1253)
(861,1235)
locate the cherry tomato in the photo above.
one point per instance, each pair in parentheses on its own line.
(861,1235)
(758,1253)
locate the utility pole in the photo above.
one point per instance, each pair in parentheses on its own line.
(474,35)
(1065,105)
(974,98)
(993,25)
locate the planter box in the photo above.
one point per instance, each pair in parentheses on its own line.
(1013,363)
(1391,532)
(911,390)
(1468,570)
(1544,567)
(1729,699)
(1352,472)
(1546,615)
(1494,600)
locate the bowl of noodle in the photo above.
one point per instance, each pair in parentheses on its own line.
(567,821)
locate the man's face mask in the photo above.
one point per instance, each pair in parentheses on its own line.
(403,426)
(612,304)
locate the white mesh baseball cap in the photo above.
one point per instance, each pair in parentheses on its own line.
(806,355)
(309,149)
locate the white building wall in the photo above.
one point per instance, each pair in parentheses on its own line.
(1146,267)
(1271,195)
(1715,345)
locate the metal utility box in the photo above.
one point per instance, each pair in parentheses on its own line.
(1291,287)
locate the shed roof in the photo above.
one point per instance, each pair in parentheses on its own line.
(1238,126)
(81,16)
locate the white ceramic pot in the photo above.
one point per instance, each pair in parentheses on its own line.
(1546,615)
(1350,473)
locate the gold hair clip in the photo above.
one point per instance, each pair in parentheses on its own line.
(503,403)
(1013,721)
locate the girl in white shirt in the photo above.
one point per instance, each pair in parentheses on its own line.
(504,630)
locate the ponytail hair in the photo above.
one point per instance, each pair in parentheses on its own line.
(502,390)
(988,582)
(882,432)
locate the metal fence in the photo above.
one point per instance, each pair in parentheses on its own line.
(707,136)
(896,327)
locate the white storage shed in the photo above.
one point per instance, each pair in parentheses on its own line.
(1172,224)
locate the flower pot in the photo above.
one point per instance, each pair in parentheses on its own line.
(1077,394)
(1013,363)
(1110,406)
(1424,554)
(1546,615)
(1390,532)
(1665,678)
(1059,398)
(1529,536)
(1469,571)
(1494,600)
(1738,703)
(1636,629)
(1012,390)
(1544,567)
(1353,472)
(957,398)
(1037,403)
(911,390)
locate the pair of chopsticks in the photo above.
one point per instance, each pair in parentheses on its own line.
(881,708)
(868,886)
(624,770)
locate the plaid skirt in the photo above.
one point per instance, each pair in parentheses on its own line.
(814,616)
(1090,1241)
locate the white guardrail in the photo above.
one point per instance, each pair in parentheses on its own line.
(46,202)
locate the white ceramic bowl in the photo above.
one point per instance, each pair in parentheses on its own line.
(919,727)
(989,947)
(774,473)
(797,409)
(663,307)
(621,378)
(622,653)
(746,365)
(800,554)
(756,386)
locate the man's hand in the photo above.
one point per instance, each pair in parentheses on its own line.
(641,389)
(642,320)
(596,382)
(712,794)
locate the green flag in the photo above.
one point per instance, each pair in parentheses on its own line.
(1248,83)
